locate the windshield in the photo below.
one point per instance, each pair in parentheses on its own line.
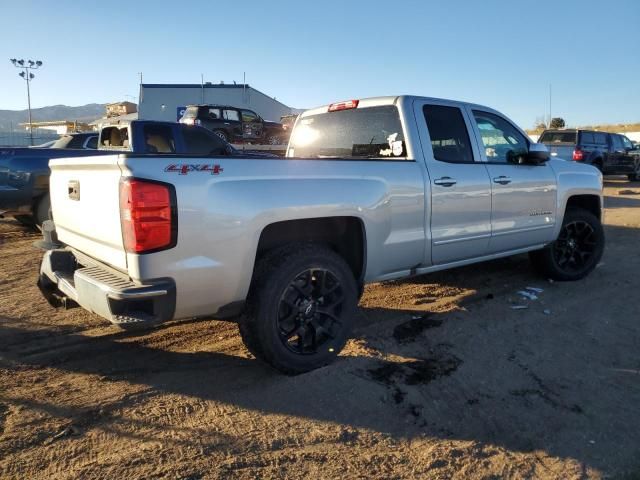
(373,132)
(191,112)
(558,137)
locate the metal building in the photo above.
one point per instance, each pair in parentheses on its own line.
(166,101)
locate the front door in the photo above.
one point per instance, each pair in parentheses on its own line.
(523,196)
(251,125)
(459,184)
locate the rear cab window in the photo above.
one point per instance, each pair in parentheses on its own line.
(559,137)
(353,133)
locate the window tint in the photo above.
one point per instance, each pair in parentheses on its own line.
(600,138)
(558,137)
(200,142)
(586,137)
(503,143)
(92,142)
(248,116)
(231,115)
(159,139)
(449,136)
(373,132)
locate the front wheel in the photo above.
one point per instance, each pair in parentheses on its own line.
(300,309)
(576,251)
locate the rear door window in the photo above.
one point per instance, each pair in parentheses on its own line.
(617,142)
(600,138)
(449,136)
(586,137)
(231,115)
(372,132)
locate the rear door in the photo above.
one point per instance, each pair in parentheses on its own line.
(459,183)
(232,123)
(523,196)
(86,206)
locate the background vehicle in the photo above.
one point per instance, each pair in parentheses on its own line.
(234,125)
(611,153)
(24,175)
(24,172)
(372,190)
(83,140)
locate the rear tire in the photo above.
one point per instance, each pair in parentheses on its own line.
(576,251)
(300,308)
(222,134)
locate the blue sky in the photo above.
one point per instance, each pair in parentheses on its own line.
(305,53)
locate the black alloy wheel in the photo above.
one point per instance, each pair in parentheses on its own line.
(575,247)
(309,310)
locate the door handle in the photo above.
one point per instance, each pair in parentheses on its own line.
(502,180)
(445,181)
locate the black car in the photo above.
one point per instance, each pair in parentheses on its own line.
(234,125)
(83,140)
(611,153)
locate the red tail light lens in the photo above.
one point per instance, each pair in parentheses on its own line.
(578,155)
(334,107)
(147,215)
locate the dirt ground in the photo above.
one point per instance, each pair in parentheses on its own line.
(442,379)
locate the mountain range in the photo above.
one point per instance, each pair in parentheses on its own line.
(9,119)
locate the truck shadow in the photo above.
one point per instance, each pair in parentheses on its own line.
(479,373)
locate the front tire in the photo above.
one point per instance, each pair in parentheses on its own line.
(300,308)
(576,251)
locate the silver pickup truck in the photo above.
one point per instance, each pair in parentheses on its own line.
(371,190)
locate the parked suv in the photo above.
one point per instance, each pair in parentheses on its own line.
(611,153)
(234,125)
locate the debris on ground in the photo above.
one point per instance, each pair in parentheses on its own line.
(519,307)
(628,192)
(528,295)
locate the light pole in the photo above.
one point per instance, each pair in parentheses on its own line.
(26,74)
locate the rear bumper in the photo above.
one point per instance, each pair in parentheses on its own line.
(67,278)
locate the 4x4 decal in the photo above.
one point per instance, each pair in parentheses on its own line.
(184,168)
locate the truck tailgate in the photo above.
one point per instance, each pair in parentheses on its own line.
(86,207)
(565,152)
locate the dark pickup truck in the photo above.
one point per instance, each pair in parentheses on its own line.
(24,172)
(611,153)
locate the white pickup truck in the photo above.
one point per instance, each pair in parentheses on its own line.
(371,190)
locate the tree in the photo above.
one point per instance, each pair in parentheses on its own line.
(557,122)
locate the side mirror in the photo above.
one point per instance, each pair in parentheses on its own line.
(537,155)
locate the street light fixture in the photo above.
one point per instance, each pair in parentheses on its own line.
(27,76)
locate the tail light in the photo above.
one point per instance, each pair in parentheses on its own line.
(147,215)
(578,155)
(190,121)
(349,104)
